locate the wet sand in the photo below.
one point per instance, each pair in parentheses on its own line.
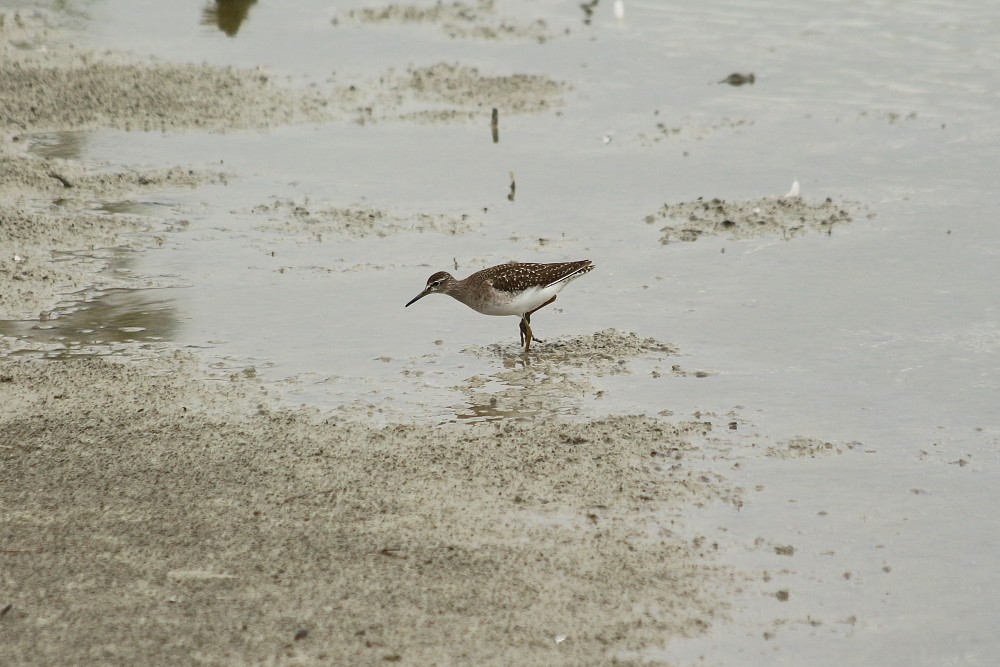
(155,514)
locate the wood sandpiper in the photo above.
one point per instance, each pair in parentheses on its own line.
(515,288)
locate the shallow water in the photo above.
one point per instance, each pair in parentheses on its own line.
(885,332)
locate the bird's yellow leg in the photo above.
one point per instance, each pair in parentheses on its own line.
(526,335)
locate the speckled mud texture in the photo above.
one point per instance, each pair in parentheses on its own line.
(466,20)
(305,221)
(137,490)
(140,97)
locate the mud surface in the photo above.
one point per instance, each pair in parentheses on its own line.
(229,528)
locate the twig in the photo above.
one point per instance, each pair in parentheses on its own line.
(66,184)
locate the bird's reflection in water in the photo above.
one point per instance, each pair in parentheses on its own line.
(485,408)
(526,389)
(227,15)
(66,145)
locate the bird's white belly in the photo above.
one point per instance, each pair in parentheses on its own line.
(521,302)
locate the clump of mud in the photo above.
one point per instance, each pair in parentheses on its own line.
(609,344)
(301,219)
(448,92)
(604,351)
(786,217)
(84,186)
(146,97)
(461,85)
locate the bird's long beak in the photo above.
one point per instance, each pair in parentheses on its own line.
(417,298)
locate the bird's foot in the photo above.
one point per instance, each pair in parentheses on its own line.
(527,337)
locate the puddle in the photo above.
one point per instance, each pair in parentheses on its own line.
(130,208)
(110,322)
(57,145)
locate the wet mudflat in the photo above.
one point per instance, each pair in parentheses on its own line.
(759,431)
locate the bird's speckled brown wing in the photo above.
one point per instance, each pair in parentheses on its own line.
(515,277)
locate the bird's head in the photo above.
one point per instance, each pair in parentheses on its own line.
(439,282)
